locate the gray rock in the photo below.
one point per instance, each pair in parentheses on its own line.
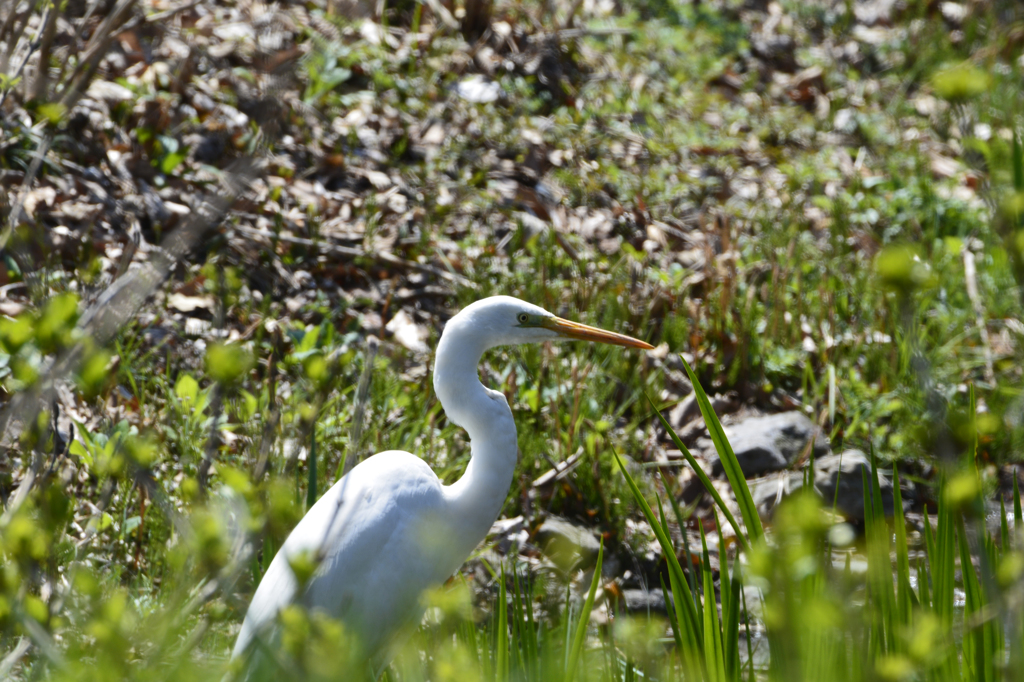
(992,514)
(754,601)
(686,411)
(772,442)
(848,478)
(568,545)
(769,491)
(644,601)
(509,535)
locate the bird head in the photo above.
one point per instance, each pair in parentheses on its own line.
(504,320)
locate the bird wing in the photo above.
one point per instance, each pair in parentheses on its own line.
(371,531)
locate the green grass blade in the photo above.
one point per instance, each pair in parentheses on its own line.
(681,520)
(714,654)
(876,491)
(904,593)
(311,495)
(923,593)
(517,634)
(729,590)
(664,527)
(675,614)
(731,620)
(869,508)
(501,633)
(689,624)
(943,575)
(526,632)
(1018,164)
(923,575)
(581,627)
(881,592)
(746,627)
(661,517)
(705,481)
(1004,528)
(723,570)
(1018,514)
(943,566)
(976,639)
(689,653)
(729,462)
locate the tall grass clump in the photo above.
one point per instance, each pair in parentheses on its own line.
(943,607)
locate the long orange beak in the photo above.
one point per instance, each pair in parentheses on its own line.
(583,332)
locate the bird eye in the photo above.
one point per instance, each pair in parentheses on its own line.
(523,318)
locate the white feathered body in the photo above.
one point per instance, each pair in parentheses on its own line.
(369,530)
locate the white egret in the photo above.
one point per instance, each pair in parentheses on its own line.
(389,529)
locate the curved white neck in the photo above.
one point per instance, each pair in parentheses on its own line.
(478,496)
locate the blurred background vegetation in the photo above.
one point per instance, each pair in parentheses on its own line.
(209,208)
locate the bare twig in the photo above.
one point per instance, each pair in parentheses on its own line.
(352,252)
(217,406)
(571,14)
(42,81)
(159,17)
(212,440)
(11,8)
(26,184)
(442,13)
(971,277)
(122,299)
(270,426)
(21,494)
(79,79)
(49,18)
(144,479)
(41,638)
(15,39)
(15,654)
(362,395)
(568,33)
(98,46)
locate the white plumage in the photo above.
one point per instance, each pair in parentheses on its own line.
(389,529)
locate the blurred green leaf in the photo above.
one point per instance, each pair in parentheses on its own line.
(16,332)
(303,566)
(236,479)
(316,368)
(961,489)
(186,388)
(248,405)
(227,363)
(94,374)
(143,450)
(901,267)
(56,322)
(962,82)
(52,112)
(35,608)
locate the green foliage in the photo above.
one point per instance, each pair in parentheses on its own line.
(835,280)
(960,83)
(227,363)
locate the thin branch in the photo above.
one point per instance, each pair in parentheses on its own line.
(123,298)
(49,18)
(362,396)
(12,658)
(971,277)
(98,46)
(42,80)
(352,252)
(15,39)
